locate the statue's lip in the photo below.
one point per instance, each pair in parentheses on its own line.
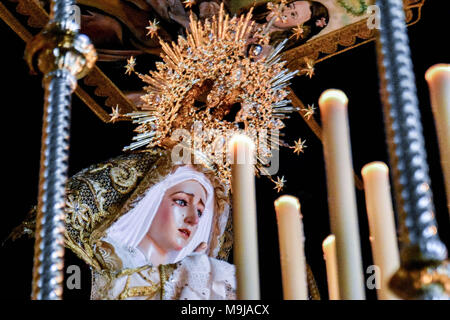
(185,232)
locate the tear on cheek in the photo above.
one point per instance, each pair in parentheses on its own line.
(180,241)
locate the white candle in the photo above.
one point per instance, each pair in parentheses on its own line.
(438,78)
(380,213)
(292,255)
(245,245)
(341,193)
(329,254)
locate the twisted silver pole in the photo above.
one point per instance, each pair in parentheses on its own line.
(424,271)
(62,55)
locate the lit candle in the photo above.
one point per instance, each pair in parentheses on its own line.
(245,245)
(341,193)
(292,255)
(380,213)
(438,78)
(329,254)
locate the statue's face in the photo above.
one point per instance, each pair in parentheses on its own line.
(294,14)
(178,216)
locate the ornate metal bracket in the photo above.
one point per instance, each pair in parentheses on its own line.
(62,55)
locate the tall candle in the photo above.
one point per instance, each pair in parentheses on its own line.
(245,246)
(292,255)
(329,254)
(380,213)
(438,78)
(341,193)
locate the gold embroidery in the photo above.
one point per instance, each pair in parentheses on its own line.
(106,252)
(93,204)
(138,291)
(77,213)
(124,176)
(165,271)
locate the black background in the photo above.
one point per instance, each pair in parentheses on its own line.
(354,72)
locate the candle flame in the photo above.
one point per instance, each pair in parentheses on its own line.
(328,241)
(374,167)
(332,97)
(287,200)
(437,70)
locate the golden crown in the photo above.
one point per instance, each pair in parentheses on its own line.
(202,79)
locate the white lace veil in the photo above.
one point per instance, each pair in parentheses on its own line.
(131,228)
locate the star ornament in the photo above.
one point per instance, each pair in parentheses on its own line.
(299,146)
(152,28)
(298,32)
(277,11)
(309,111)
(214,51)
(115,115)
(189,3)
(308,70)
(131,63)
(279,184)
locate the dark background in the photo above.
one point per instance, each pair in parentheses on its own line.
(354,72)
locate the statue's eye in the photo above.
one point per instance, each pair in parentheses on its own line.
(199,212)
(181,202)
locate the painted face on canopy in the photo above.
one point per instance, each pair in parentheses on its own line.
(294,13)
(178,216)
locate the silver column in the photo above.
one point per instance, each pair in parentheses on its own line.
(424,271)
(62,55)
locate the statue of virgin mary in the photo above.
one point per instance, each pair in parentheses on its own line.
(150,228)
(154,226)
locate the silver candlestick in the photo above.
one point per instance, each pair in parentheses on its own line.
(424,271)
(62,55)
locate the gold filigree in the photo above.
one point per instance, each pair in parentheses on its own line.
(14,24)
(148,291)
(95,202)
(37,16)
(139,291)
(210,67)
(124,177)
(77,213)
(104,87)
(105,252)
(165,271)
(344,39)
(318,49)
